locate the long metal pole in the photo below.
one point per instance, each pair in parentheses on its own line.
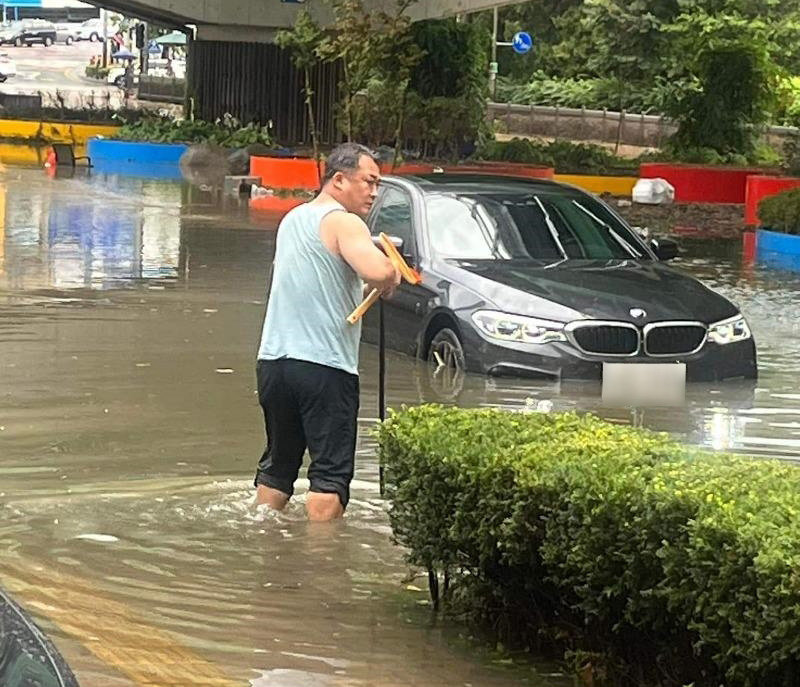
(381,380)
(104,14)
(493,74)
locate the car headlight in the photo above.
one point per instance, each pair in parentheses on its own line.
(729,331)
(500,325)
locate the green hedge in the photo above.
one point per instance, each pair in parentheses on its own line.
(96,71)
(781,212)
(565,156)
(227,131)
(604,541)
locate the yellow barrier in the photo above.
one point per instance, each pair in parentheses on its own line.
(21,154)
(54,132)
(617,186)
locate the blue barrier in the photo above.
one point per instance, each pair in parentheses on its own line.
(134,152)
(776,249)
(141,170)
(777,242)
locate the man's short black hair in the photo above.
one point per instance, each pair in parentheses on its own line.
(346,158)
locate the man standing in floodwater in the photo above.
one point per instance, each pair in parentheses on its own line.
(307,367)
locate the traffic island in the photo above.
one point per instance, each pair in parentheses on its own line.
(617,548)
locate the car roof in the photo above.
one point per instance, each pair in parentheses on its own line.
(465,182)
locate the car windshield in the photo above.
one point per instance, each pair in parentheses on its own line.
(538,226)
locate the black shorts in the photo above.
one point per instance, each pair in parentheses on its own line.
(312,406)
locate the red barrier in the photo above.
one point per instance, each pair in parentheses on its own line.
(302,173)
(273,208)
(758,188)
(748,246)
(285,172)
(702,183)
(514,169)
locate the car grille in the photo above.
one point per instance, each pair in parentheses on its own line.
(607,339)
(674,339)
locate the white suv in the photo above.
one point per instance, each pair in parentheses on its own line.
(90,30)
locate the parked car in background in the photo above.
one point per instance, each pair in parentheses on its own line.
(7,67)
(28,32)
(539,279)
(90,30)
(66,32)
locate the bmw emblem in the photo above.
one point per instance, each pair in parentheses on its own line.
(637,313)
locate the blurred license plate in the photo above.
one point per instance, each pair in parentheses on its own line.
(638,384)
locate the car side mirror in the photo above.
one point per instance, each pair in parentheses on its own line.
(397,242)
(665,249)
(400,245)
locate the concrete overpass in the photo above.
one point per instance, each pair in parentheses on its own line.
(259,20)
(235,67)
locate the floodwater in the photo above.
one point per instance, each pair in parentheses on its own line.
(130,311)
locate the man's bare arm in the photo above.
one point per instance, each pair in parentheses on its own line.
(354,243)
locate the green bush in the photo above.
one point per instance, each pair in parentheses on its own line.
(730,99)
(96,71)
(604,541)
(591,93)
(565,156)
(446,98)
(227,132)
(781,212)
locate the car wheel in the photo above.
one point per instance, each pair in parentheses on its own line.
(48,42)
(94,38)
(68,40)
(18,42)
(446,364)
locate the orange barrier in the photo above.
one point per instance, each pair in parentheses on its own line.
(285,173)
(759,187)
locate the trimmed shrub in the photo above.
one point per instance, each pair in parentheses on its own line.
(227,131)
(565,156)
(567,531)
(781,212)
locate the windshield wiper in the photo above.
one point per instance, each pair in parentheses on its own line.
(621,241)
(551,227)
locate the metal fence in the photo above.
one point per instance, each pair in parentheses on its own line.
(163,89)
(599,125)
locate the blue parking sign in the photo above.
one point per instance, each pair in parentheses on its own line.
(522,42)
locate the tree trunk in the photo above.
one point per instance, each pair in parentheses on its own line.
(399,130)
(312,122)
(348,122)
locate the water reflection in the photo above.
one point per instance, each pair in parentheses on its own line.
(55,239)
(130,311)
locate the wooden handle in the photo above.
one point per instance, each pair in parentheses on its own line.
(358,313)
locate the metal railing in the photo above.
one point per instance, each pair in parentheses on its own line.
(161,88)
(599,125)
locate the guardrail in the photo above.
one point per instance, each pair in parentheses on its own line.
(161,88)
(609,126)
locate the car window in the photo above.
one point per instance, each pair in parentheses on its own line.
(527,226)
(395,219)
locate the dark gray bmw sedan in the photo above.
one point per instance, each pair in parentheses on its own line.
(539,279)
